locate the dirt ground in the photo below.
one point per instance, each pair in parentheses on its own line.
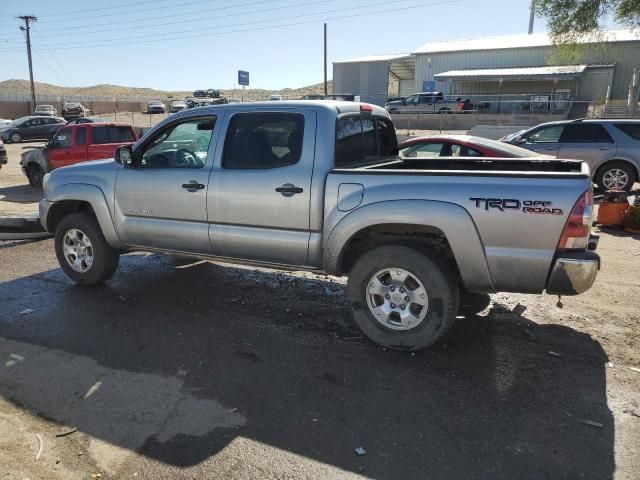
(191,369)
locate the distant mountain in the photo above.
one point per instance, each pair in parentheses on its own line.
(21,87)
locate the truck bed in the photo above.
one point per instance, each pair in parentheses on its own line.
(471,164)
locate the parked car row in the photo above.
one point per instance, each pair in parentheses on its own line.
(428,102)
(29,128)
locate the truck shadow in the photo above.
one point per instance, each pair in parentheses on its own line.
(20,194)
(178,359)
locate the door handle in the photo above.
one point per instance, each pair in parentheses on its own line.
(192,186)
(604,148)
(289,190)
(550,148)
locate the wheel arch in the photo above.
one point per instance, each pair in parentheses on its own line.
(71,198)
(602,165)
(443,226)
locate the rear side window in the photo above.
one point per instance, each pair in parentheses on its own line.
(631,129)
(585,133)
(81,136)
(263,140)
(360,139)
(111,134)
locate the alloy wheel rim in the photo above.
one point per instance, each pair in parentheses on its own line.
(77,250)
(615,178)
(397,299)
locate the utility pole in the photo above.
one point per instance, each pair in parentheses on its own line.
(27,28)
(532,16)
(325,60)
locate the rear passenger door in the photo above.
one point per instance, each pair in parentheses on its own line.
(588,142)
(544,140)
(258,201)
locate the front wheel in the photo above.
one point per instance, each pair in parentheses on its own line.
(82,251)
(35,174)
(402,298)
(15,137)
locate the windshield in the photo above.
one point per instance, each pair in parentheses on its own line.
(511,150)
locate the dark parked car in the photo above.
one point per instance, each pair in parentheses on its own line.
(3,154)
(78,121)
(29,128)
(313,96)
(71,110)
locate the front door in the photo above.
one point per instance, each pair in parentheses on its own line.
(544,140)
(160,200)
(59,149)
(260,187)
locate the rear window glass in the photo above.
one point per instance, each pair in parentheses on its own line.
(585,133)
(111,134)
(631,129)
(360,139)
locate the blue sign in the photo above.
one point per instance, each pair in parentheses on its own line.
(429,86)
(243,77)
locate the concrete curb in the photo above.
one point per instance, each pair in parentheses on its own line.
(18,228)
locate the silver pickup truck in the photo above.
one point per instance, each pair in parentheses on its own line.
(317,185)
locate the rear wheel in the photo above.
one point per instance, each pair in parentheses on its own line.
(82,251)
(402,298)
(616,176)
(35,174)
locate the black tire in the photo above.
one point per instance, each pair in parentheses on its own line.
(35,174)
(105,258)
(438,281)
(620,166)
(472,303)
(15,137)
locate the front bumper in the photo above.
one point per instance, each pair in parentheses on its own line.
(573,273)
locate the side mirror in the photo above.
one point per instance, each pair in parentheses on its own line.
(124,155)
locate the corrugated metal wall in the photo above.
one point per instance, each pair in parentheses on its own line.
(624,55)
(370,80)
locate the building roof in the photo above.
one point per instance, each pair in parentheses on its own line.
(560,71)
(375,58)
(522,41)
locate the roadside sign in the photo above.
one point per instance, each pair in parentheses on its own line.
(429,86)
(243,77)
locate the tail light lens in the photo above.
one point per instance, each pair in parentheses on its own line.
(461,105)
(575,235)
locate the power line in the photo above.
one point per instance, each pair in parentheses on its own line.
(174,22)
(122,5)
(268,27)
(53,56)
(243,24)
(64,83)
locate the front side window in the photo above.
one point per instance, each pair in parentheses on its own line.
(62,138)
(263,140)
(81,136)
(412,100)
(180,145)
(545,135)
(585,133)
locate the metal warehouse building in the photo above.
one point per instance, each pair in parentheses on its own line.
(602,68)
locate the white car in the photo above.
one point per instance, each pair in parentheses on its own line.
(275,98)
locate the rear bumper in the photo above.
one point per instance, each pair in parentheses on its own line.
(573,273)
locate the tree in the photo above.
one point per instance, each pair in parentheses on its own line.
(568,19)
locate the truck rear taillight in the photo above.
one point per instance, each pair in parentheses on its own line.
(461,105)
(575,235)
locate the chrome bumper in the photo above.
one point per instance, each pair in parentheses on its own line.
(573,273)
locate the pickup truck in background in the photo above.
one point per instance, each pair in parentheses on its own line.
(428,102)
(317,185)
(73,144)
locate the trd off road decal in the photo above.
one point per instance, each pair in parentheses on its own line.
(540,207)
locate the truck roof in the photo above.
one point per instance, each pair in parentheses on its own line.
(337,106)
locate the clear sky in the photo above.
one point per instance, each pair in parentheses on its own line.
(189,44)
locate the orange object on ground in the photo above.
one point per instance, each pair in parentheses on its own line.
(610,214)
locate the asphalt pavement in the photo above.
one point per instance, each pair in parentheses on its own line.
(178,368)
